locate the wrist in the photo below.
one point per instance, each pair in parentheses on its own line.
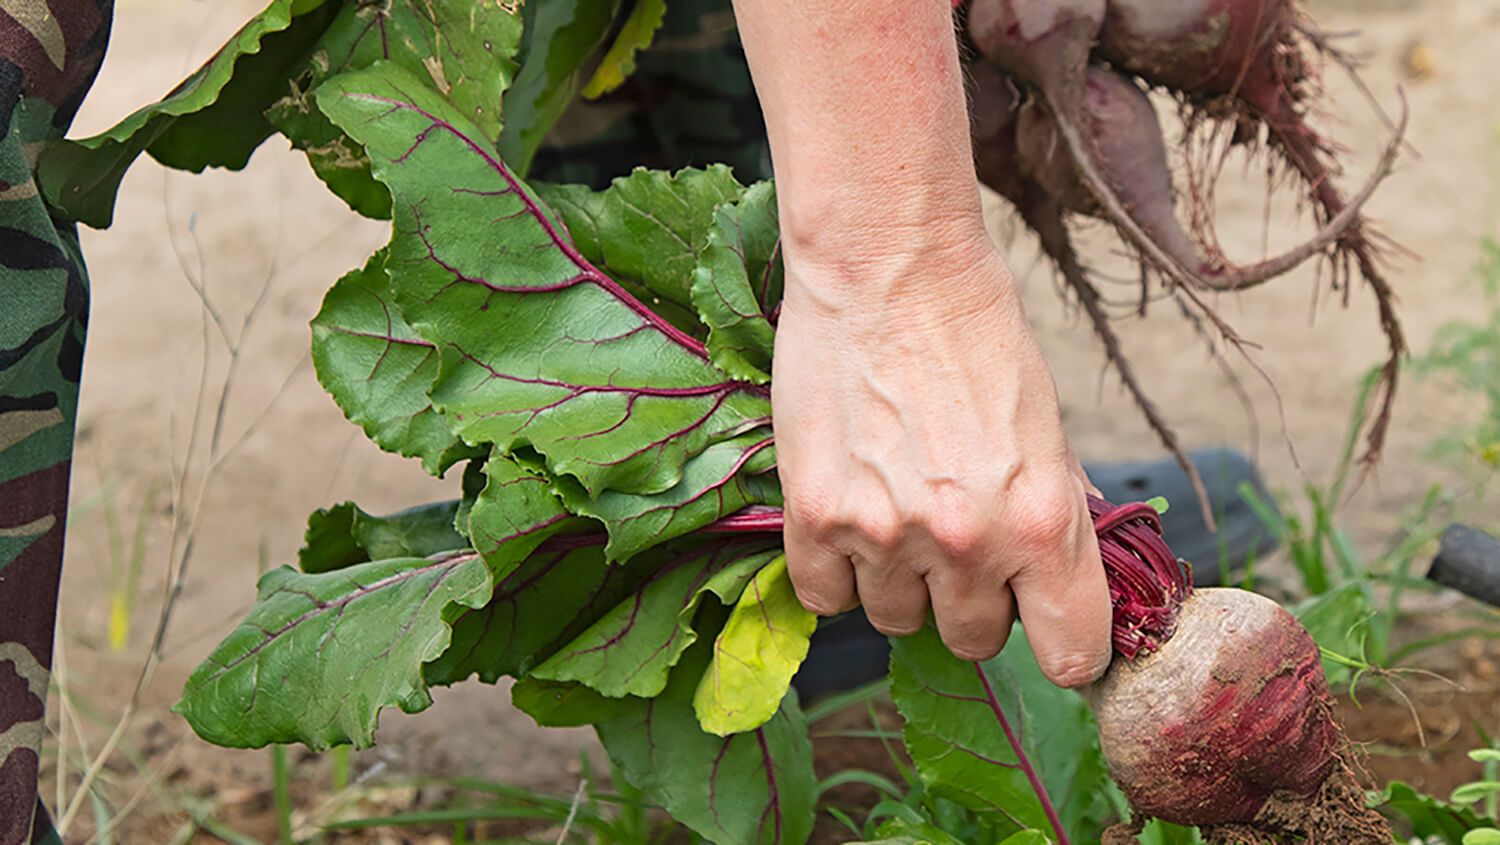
(944,275)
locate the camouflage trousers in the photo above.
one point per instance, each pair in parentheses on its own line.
(690,102)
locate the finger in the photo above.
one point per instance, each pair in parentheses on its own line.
(1064,604)
(973,617)
(820,574)
(894,596)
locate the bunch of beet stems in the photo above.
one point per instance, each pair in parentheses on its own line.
(1214,712)
(1062,125)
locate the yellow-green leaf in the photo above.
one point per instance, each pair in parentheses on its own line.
(634,36)
(756,655)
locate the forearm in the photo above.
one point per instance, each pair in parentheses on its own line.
(865,112)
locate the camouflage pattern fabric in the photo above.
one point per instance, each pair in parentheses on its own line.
(50,51)
(690,103)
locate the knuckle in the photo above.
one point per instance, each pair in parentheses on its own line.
(814,514)
(879,531)
(957,536)
(1047,522)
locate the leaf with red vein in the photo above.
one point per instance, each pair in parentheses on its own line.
(378,369)
(951,730)
(320,655)
(738,284)
(553,597)
(753,788)
(542,604)
(755,655)
(463,48)
(648,227)
(515,512)
(538,346)
(345,534)
(724,478)
(632,647)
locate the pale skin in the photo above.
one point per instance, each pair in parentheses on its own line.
(917,427)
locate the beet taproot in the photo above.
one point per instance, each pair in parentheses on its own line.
(1215,712)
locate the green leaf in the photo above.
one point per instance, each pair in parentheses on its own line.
(538,346)
(738,283)
(1159,504)
(755,655)
(1429,818)
(1062,740)
(906,832)
(1475,791)
(653,224)
(630,650)
(1027,837)
(1338,621)
(1482,836)
(378,369)
(584,214)
(753,788)
(549,599)
(344,535)
(634,36)
(559,38)
(952,733)
(515,512)
(463,49)
(420,531)
(214,118)
(561,704)
(722,479)
(329,543)
(1485,755)
(555,595)
(320,655)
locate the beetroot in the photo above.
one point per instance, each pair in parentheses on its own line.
(1087,141)
(1215,712)
(1243,61)
(1125,137)
(995,115)
(1204,46)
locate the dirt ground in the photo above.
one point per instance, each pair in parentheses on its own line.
(284,449)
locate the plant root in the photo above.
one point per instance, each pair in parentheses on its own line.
(1337,814)
(1044,216)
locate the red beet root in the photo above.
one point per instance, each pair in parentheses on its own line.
(1216,712)
(1243,60)
(1238,710)
(1122,132)
(1206,47)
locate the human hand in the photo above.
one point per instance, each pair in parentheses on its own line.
(923,459)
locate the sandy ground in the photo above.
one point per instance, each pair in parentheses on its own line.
(285,449)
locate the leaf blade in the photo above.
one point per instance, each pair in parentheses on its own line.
(329,654)
(631,649)
(619,62)
(378,369)
(755,655)
(760,786)
(538,346)
(212,118)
